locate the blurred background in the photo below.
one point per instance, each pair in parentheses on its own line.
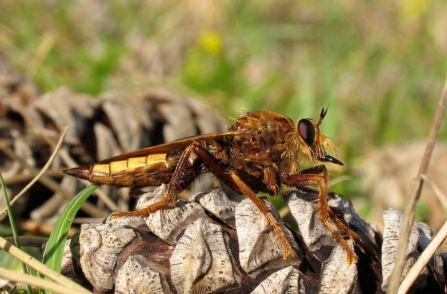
(379,66)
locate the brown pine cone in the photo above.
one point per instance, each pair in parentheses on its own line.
(211,244)
(114,123)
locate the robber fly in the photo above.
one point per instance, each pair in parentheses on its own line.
(262,151)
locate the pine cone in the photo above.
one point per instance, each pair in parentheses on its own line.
(211,244)
(114,123)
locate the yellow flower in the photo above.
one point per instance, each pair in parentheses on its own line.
(413,8)
(210,42)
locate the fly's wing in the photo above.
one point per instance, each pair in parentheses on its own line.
(171,146)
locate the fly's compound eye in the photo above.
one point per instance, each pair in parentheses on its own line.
(307,131)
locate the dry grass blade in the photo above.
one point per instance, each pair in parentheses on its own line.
(438,192)
(423,260)
(42,51)
(415,193)
(29,241)
(36,282)
(42,171)
(38,266)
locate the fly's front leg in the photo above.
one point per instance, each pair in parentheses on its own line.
(319,175)
(312,176)
(187,169)
(340,225)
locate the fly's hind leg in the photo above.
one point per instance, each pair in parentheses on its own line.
(287,248)
(233,180)
(185,172)
(312,176)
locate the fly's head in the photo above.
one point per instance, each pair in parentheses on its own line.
(313,145)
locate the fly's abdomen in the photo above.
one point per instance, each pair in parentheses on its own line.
(144,171)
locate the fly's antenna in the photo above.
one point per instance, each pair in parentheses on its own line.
(322,114)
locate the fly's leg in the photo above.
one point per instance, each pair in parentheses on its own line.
(287,249)
(312,176)
(340,225)
(187,169)
(190,160)
(236,183)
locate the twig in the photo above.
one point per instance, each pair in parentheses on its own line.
(42,171)
(47,181)
(414,195)
(28,175)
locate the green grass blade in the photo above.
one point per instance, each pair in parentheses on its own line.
(14,231)
(56,242)
(12,222)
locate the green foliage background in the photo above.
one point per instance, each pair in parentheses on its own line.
(379,65)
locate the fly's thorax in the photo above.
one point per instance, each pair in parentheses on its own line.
(298,154)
